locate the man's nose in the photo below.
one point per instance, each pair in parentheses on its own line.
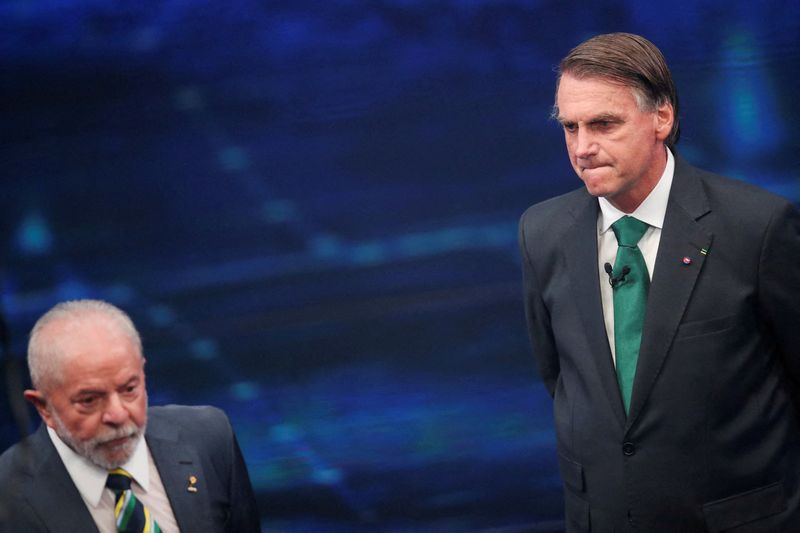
(585,145)
(115,413)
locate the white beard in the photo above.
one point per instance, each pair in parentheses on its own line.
(93,449)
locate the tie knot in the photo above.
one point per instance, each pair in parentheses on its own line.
(118,480)
(629,230)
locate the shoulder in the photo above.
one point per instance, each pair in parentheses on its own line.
(204,429)
(742,193)
(556,206)
(198,420)
(538,222)
(19,459)
(743,218)
(737,196)
(187,413)
(20,467)
(11,462)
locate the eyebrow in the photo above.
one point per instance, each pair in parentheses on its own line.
(89,392)
(606,117)
(603,117)
(133,380)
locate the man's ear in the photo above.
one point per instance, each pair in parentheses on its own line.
(665,117)
(40,403)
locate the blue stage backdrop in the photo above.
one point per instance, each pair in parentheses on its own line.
(310,210)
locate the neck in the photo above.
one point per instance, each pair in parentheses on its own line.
(630,200)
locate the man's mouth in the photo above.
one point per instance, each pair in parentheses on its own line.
(113,443)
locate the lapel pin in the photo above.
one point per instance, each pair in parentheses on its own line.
(704,251)
(687,261)
(192,483)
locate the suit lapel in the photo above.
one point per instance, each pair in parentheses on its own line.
(60,507)
(673,280)
(177,466)
(580,250)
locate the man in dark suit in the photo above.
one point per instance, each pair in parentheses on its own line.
(181,468)
(673,357)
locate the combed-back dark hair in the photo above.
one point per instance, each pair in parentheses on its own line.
(632,61)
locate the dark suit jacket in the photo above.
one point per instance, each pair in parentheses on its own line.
(711,442)
(37,494)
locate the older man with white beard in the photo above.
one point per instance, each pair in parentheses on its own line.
(103,461)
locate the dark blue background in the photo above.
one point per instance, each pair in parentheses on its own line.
(310,208)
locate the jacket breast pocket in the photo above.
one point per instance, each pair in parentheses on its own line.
(697,328)
(745,507)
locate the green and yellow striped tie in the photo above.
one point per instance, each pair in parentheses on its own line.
(131,514)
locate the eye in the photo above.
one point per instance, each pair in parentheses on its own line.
(604,125)
(570,127)
(87,402)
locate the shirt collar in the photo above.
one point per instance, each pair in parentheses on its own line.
(652,210)
(90,479)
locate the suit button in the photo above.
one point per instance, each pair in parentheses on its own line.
(628,449)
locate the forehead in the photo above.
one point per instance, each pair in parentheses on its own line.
(581,98)
(97,352)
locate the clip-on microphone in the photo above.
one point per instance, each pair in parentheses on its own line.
(616,280)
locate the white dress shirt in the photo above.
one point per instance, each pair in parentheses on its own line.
(90,480)
(652,211)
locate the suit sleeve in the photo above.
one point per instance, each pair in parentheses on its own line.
(779,290)
(243,514)
(537,316)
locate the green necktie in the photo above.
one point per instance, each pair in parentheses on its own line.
(630,299)
(131,514)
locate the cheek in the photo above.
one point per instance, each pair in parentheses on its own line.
(571,155)
(138,411)
(83,427)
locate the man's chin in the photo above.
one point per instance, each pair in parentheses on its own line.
(112,453)
(597,190)
(106,454)
(109,461)
(600,183)
(109,450)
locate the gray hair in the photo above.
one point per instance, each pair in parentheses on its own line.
(629,60)
(44,351)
